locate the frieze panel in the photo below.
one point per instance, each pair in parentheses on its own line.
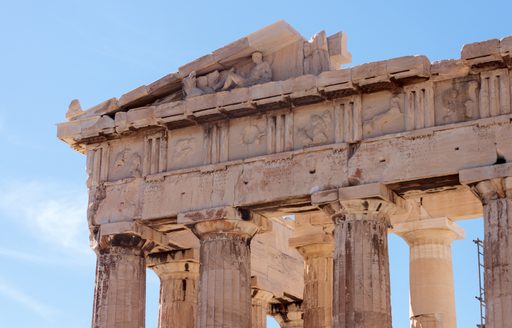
(185,148)
(247,137)
(383,113)
(314,125)
(126,159)
(456,100)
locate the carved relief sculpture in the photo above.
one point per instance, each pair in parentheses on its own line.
(382,121)
(214,176)
(129,163)
(316,55)
(190,85)
(260,73)
(317,130)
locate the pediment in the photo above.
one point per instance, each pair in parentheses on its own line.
(284,50)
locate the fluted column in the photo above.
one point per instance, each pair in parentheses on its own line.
(178,272)
(120,292)
(432,296)
(494,187)
(260,307)
(361,264)
(313,239)
(225,273)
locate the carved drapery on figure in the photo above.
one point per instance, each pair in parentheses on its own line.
(316,55)
(267,147)
(260,72)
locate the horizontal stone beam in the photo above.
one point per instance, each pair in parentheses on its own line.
(477,174)
(283,178)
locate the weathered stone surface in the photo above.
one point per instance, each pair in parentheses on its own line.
(479,53)
(119,296)
(260,307)
(495,191)
(268,126)
(225,273)
(361,257)
(432,295)
(178,272)
(313,239)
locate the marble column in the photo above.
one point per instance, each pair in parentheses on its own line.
(260,307)
(496,196)
(178,272)
(493,185)
(120,292)
(313,239)
(432,296)
(361,294)
(225,273)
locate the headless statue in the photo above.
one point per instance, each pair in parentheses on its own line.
(190,85)
(260,73)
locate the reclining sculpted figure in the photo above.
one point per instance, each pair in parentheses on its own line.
(260,73)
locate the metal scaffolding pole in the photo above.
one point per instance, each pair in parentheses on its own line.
(481,297)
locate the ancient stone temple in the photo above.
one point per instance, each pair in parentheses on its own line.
(263,179)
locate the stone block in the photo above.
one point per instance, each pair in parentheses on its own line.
(107,107)
(141,117)
(102,125)
(325,196)
(165,85)
(209,214)
(506,50)
(448,69)
(266,90)
(338,51)
(308,239)
(371,76)
(408,68)
(201,66)
(235,96)
(133,96)
(372,190)
(481,53)
(477,174)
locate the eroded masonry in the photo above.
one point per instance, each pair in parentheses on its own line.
(262,179)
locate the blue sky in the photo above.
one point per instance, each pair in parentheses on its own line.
(54,51)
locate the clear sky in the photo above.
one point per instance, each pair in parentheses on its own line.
(55,51)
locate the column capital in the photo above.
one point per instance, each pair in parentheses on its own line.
(119,295)
(313,234)
(224,220)
(261,295)
(123,243)
(359,202)
(233,228)
(437,230)
(176,264)
(103,236)
(293,315)
(489,182)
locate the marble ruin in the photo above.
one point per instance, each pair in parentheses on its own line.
(263,179)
